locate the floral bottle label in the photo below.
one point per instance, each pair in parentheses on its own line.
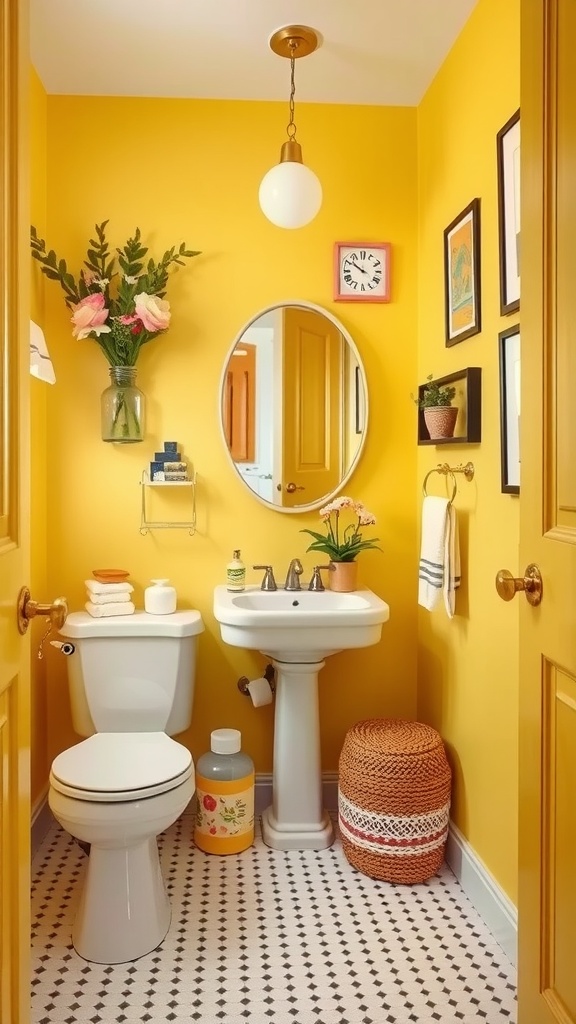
(225,814)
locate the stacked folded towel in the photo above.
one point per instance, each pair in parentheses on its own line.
(108,599)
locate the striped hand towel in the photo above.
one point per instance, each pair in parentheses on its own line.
(439,567)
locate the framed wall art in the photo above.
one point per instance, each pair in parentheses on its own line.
(462,275)
(362,271)
(508,158)
(509,343)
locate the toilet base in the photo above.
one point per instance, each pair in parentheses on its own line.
(112,924)
(124,911)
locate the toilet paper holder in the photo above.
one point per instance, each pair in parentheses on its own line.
(268,674)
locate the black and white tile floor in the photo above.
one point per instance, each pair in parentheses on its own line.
(266,937)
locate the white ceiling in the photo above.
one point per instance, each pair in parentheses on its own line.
(373,51)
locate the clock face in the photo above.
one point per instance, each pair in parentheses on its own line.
(362,272)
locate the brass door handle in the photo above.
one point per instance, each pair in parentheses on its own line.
(291,487)
(28,609)
(508,585)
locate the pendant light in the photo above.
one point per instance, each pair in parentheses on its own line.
(290,193)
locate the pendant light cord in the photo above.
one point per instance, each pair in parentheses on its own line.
(291,127)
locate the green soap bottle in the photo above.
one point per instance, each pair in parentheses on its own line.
(236,573)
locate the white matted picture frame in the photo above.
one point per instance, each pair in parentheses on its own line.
(509,345)
(508,159)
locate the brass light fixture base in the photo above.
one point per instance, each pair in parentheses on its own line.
(294,41)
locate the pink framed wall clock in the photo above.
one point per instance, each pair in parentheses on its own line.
(362,271)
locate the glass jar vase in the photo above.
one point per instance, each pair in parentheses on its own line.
(122,407)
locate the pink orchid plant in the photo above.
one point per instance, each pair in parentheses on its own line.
(342,544)
(121,309)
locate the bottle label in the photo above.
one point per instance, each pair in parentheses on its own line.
(236,575)
(225,814)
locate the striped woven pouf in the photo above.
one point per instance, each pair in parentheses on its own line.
(394,799)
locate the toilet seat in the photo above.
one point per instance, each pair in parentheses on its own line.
(117,766)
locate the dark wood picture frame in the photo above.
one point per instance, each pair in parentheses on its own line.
(462,293)
(471,379)
(510,368)
(508,164)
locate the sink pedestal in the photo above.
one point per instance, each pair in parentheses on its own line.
(296,820)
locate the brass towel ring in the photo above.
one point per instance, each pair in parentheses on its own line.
(445,472)
(445,469)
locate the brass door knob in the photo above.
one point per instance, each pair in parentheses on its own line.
(290,487)
(28,609)
(508,585)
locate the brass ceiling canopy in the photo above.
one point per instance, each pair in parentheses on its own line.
(294,41)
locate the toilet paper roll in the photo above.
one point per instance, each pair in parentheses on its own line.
(260,692)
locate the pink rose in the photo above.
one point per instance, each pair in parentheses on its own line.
(209,802)
(152,311)
(89,316)
(213,830)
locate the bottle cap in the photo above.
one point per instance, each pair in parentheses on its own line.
(159,583)
(236,553)
(225,741)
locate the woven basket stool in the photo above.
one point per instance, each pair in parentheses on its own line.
(394,799)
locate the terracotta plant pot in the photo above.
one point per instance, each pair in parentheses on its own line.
(440,420)
(343,577)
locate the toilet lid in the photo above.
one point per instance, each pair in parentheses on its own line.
(121,765)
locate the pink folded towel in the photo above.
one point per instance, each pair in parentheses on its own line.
(99,611)
(108,588)
(107,598)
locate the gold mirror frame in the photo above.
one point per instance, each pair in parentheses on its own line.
(314,350)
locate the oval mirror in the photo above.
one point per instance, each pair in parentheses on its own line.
(294,406)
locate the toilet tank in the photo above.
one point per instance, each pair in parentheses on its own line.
(132,673)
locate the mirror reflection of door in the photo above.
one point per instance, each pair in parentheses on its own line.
(311,439)
(293,405)
(239,403)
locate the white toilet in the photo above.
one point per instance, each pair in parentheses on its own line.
(131,681)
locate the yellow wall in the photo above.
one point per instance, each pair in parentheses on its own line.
(189,170)
(468,667)
(38,395)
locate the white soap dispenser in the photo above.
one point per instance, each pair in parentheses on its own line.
(160,599)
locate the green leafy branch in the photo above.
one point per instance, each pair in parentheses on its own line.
(55,269)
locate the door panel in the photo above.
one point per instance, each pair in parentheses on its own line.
(547,863)
(14,543)
(311,405)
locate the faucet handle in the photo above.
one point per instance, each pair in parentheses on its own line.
(316,581)
(268,583)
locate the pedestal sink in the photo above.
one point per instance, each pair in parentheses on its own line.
(297,630)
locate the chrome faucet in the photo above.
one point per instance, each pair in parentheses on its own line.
(293,575)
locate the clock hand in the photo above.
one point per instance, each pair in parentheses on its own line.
(358,267)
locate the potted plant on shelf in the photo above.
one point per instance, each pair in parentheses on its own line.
(440,415)
(343,545)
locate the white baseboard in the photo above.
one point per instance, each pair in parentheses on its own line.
(495,908)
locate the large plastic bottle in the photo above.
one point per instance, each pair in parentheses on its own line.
(225,794)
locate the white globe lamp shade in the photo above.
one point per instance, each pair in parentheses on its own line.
(290,195)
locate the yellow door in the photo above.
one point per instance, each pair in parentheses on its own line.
(311,407)
(547,865)
(14,544)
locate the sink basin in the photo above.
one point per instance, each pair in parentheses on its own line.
(299,625)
